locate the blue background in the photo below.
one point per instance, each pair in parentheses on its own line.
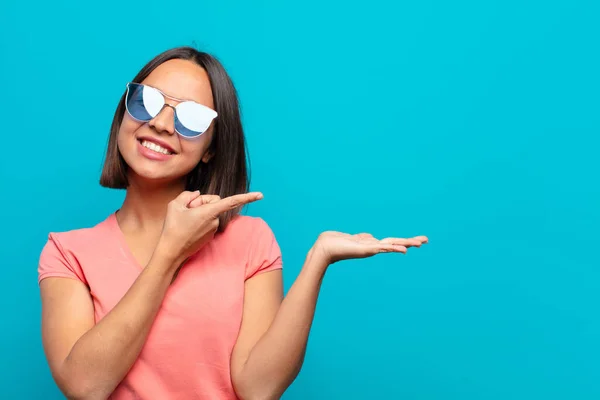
(475,123)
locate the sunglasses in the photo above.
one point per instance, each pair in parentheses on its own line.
(144,103)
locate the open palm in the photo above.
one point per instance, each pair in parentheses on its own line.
(337,246)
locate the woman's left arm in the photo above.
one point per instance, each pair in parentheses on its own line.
(270,348)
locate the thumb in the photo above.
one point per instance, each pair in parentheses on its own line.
(204,199)
(186,197)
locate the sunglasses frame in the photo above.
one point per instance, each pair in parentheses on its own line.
(166,96)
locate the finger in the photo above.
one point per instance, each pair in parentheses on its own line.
(403,242)
(232,202)
(204,199)
(423,239)
(198,201)
(391,248)
(186,197)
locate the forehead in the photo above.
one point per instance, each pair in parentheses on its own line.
(182,79)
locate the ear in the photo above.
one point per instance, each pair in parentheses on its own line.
(207,156)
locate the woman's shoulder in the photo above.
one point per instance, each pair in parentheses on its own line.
(245,233)
(63,250)
(83,236)
(254,238)
(243,225)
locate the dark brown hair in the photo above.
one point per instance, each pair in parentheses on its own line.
(226,173)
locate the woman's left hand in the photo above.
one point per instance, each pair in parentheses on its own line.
(337,246)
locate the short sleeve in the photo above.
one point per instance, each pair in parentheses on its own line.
(54,262)
(265,254)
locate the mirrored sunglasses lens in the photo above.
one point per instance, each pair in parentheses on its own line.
(185,131)
(143,102)
(192,119)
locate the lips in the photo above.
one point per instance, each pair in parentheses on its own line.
(156,145)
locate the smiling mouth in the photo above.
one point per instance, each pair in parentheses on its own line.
(154,147)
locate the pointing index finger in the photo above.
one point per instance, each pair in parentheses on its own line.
(232,202)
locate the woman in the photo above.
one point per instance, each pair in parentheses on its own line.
(176,295)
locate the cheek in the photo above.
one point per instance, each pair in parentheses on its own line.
(129,126)
(195,148)
(127,130)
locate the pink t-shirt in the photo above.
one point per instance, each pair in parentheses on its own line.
(187,353)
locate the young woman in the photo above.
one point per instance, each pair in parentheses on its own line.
(176,295)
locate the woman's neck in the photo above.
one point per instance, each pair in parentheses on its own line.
(145,206)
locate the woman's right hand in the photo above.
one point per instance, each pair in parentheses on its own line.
(193,219)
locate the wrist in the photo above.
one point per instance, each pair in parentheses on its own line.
(167,257)
(317,260)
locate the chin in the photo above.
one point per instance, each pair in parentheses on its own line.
(157,173)
(151,170)
(155,168)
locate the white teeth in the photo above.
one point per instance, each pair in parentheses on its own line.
(154,147)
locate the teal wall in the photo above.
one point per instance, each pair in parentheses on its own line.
(475,123)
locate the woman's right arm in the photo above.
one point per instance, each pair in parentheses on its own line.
(88,361)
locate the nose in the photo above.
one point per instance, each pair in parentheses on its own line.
(164,122)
